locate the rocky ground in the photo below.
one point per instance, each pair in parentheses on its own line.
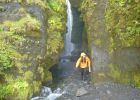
(77,89)
(71,87)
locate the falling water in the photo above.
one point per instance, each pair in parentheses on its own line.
(46,92)
(68,44)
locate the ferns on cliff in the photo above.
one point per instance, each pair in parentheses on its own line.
(56,26)
(87,7)
(123,25)
(11,35)
(123,22)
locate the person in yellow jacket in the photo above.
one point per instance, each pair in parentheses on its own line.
(84,63)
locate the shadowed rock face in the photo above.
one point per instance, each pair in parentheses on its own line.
(101,41)
(127,58)
(75,3)
(98,38)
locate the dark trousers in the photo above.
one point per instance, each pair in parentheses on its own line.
(84,73)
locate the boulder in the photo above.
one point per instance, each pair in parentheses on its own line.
(81,91)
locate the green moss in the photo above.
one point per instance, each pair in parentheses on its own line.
(36,86)
(26,25)
(123,26)
(98,77)
(19,89)
(122,21)
(136,79)
(48,76)
(12,38)
(56,5)
(98,42)
(124,76)
(28,75)
(40,3)
(87,9)
(115,72)
(111,46)
(41,72)
(56,27)
(11,33)
(4,91)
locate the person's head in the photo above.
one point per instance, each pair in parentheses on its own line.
(83,54)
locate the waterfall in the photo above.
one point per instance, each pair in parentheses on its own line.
(68,44)
(46,92)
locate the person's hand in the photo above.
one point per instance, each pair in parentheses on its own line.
(89,69)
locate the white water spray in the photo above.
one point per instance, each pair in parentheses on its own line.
(68,44)
(47,94)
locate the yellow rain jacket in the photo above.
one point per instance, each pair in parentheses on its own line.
(83,64)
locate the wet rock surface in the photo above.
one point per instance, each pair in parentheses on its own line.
(81,91)
(77,89)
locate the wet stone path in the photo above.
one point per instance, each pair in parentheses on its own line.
(71,87)
(99,91)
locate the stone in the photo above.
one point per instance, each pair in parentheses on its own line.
(81,91)
(108,92)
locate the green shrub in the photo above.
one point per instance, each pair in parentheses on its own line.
(123,26)
(17,88)
(11,34)
(136,79)
(87,7)
(21,89)
(122,21)
(4,91)
(56,5)
(56,26)
(115,72)
(40,3)
(28,75)
(5,61)
(25,25)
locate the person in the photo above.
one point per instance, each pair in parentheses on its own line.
(84,63)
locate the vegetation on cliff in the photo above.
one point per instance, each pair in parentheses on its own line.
(87,9)
(118,27)
(123,25)
(19,77)
(12,39)
(122,20)
(56,27)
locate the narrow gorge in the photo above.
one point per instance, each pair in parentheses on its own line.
(41,40)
